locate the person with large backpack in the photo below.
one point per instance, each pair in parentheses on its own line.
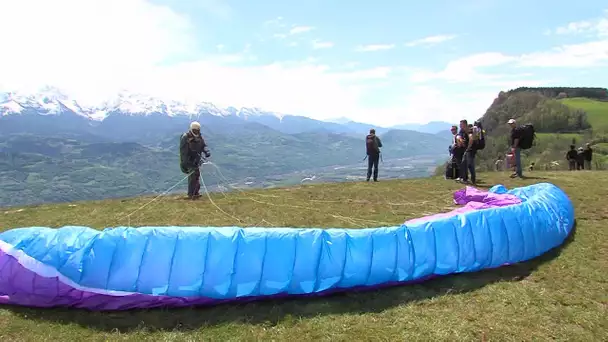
(191,147)
(452,169)
(522,138)
(467,165)
(372,146)
(479,136)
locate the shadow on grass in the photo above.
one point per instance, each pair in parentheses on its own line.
(483,185)
(534,177)
(287,311)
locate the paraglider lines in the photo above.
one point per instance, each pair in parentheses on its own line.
(128,217)
(350,220)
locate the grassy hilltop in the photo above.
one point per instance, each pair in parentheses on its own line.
(559,296)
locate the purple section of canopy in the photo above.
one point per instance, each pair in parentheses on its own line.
(22,286)
(472,199)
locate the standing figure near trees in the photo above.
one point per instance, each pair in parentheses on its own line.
(522,138)
(571,156)
(588,156)
(515,149)
(580,159)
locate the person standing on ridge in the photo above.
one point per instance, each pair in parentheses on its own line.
(191,147)
(515,138)
(588,153)
(465,138)
(580,159)
(456,153)
(372,145)
(571,156)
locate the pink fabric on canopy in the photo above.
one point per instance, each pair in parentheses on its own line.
(472,199)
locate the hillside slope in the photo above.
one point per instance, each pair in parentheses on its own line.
(561,117)
(563,291)
(597,111)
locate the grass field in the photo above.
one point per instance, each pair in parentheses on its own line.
(597,111)
(562,295)
(562,136)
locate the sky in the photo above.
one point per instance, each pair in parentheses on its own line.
(379,62)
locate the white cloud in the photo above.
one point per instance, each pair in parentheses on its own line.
(431,40)
(86,42)
(295,30)
(582,55)
(368,74)
(597,26)
(574,27)
(300,29)
(375,47)
(426,103)
(278,21)
(316,44)
(465,69)
(219,8)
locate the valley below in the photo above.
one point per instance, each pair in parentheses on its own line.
(391,168)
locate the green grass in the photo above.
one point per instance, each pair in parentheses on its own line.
(602,146)
(563,295)
(562,136)
(597,111)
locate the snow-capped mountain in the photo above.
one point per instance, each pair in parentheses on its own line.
(126,113)
(46,101)
(116,111)
(49,101)
(141,104)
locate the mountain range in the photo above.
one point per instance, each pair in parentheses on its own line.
(54,148)
(15,107)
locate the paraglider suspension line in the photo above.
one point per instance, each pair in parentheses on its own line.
(128,217)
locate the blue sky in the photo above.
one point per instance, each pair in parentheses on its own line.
(379,62)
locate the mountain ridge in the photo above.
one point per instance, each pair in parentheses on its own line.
(52,101)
